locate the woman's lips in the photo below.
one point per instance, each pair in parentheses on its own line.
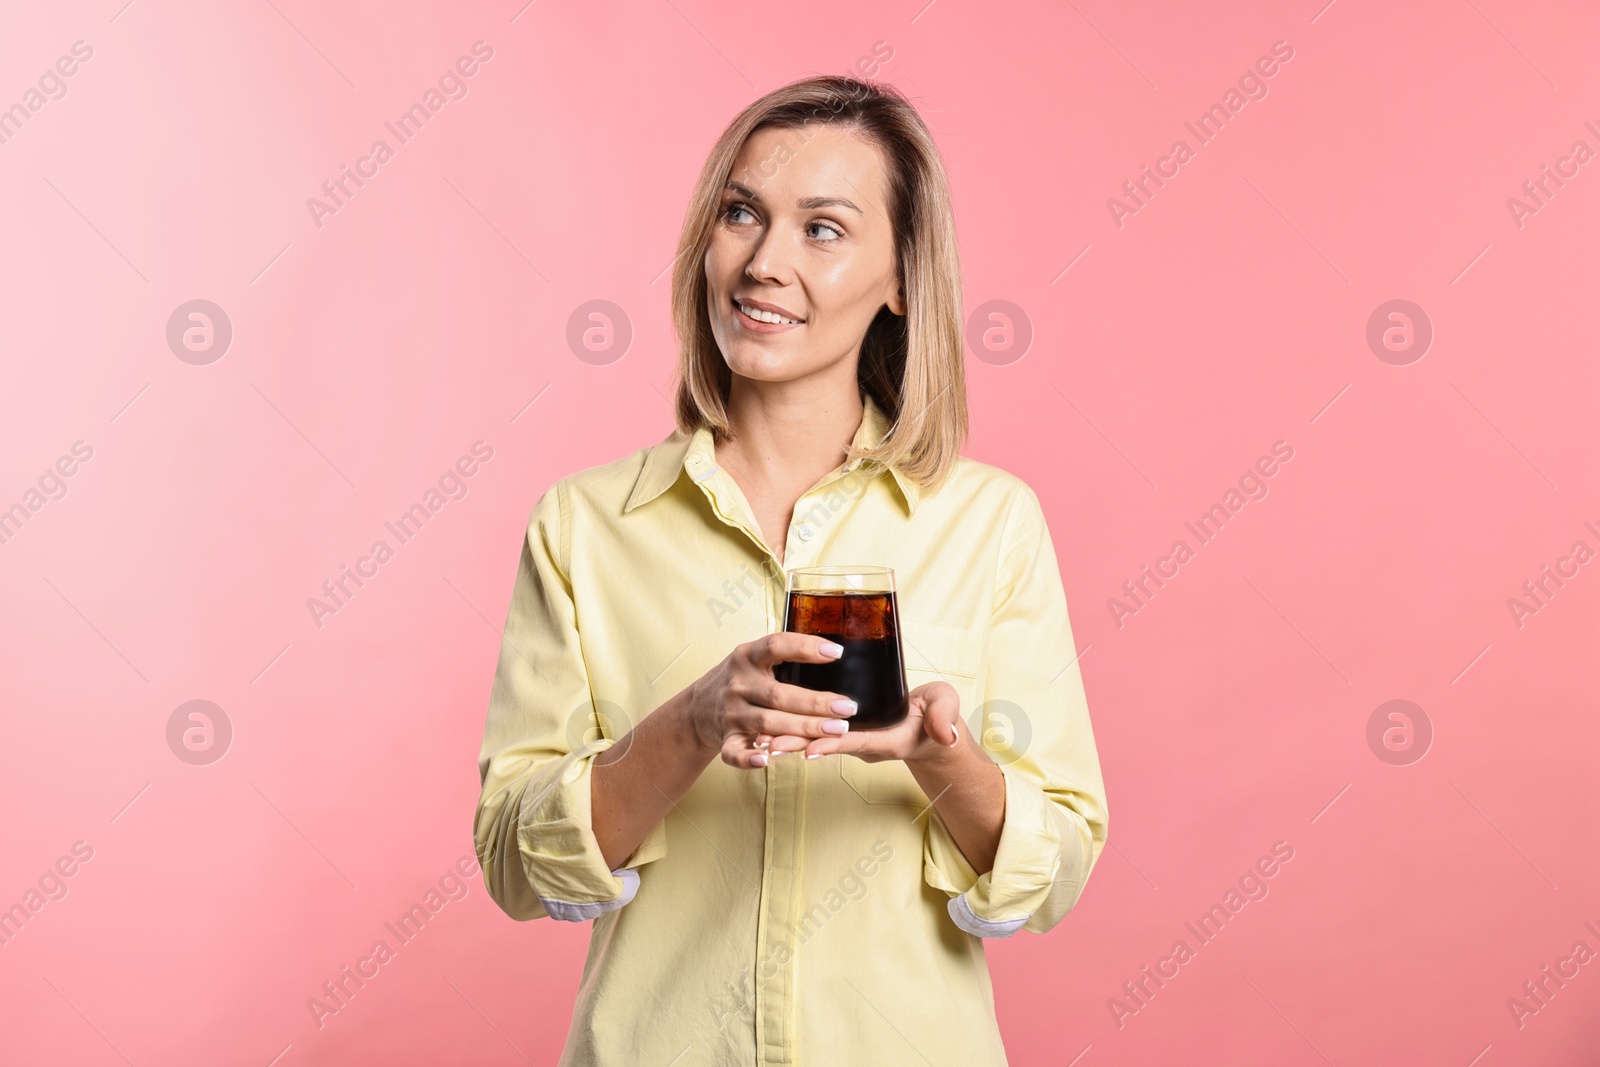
(757,326)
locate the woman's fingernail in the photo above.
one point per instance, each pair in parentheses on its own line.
(955,735)
(831,649)
(844,706)
(814,755)
(758,760)
(835,726)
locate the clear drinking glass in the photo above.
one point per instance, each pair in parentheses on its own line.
(855,607)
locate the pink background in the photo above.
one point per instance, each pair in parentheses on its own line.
(1227,314)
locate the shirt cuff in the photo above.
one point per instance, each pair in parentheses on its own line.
(1000,902)
(560,854)
(567,911)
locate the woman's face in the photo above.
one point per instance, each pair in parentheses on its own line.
(803,233)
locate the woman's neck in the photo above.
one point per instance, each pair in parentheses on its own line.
(789,434)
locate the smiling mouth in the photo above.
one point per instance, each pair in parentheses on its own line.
(771,318)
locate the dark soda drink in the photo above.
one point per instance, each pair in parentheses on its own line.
(871,671)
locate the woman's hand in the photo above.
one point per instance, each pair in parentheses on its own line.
(929,730)
(738,706)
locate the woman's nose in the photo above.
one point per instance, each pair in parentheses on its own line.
(773,257)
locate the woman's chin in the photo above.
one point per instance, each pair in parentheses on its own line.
(764,366)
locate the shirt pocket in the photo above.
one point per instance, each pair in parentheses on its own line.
(933,653)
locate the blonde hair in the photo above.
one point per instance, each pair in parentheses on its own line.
(911,366)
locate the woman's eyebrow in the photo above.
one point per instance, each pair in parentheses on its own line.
(809,203)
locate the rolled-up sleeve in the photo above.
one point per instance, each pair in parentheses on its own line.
(532,829)
(1036,726)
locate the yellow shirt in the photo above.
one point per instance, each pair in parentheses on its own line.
(814,912)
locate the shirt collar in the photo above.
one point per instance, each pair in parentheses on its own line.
(695,455)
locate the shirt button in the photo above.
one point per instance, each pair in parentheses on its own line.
(807,531)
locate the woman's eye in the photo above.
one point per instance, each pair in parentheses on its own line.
(735,209)
(828,227)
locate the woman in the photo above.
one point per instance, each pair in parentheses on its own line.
(813,896)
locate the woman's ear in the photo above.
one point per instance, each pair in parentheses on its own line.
(897,301)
